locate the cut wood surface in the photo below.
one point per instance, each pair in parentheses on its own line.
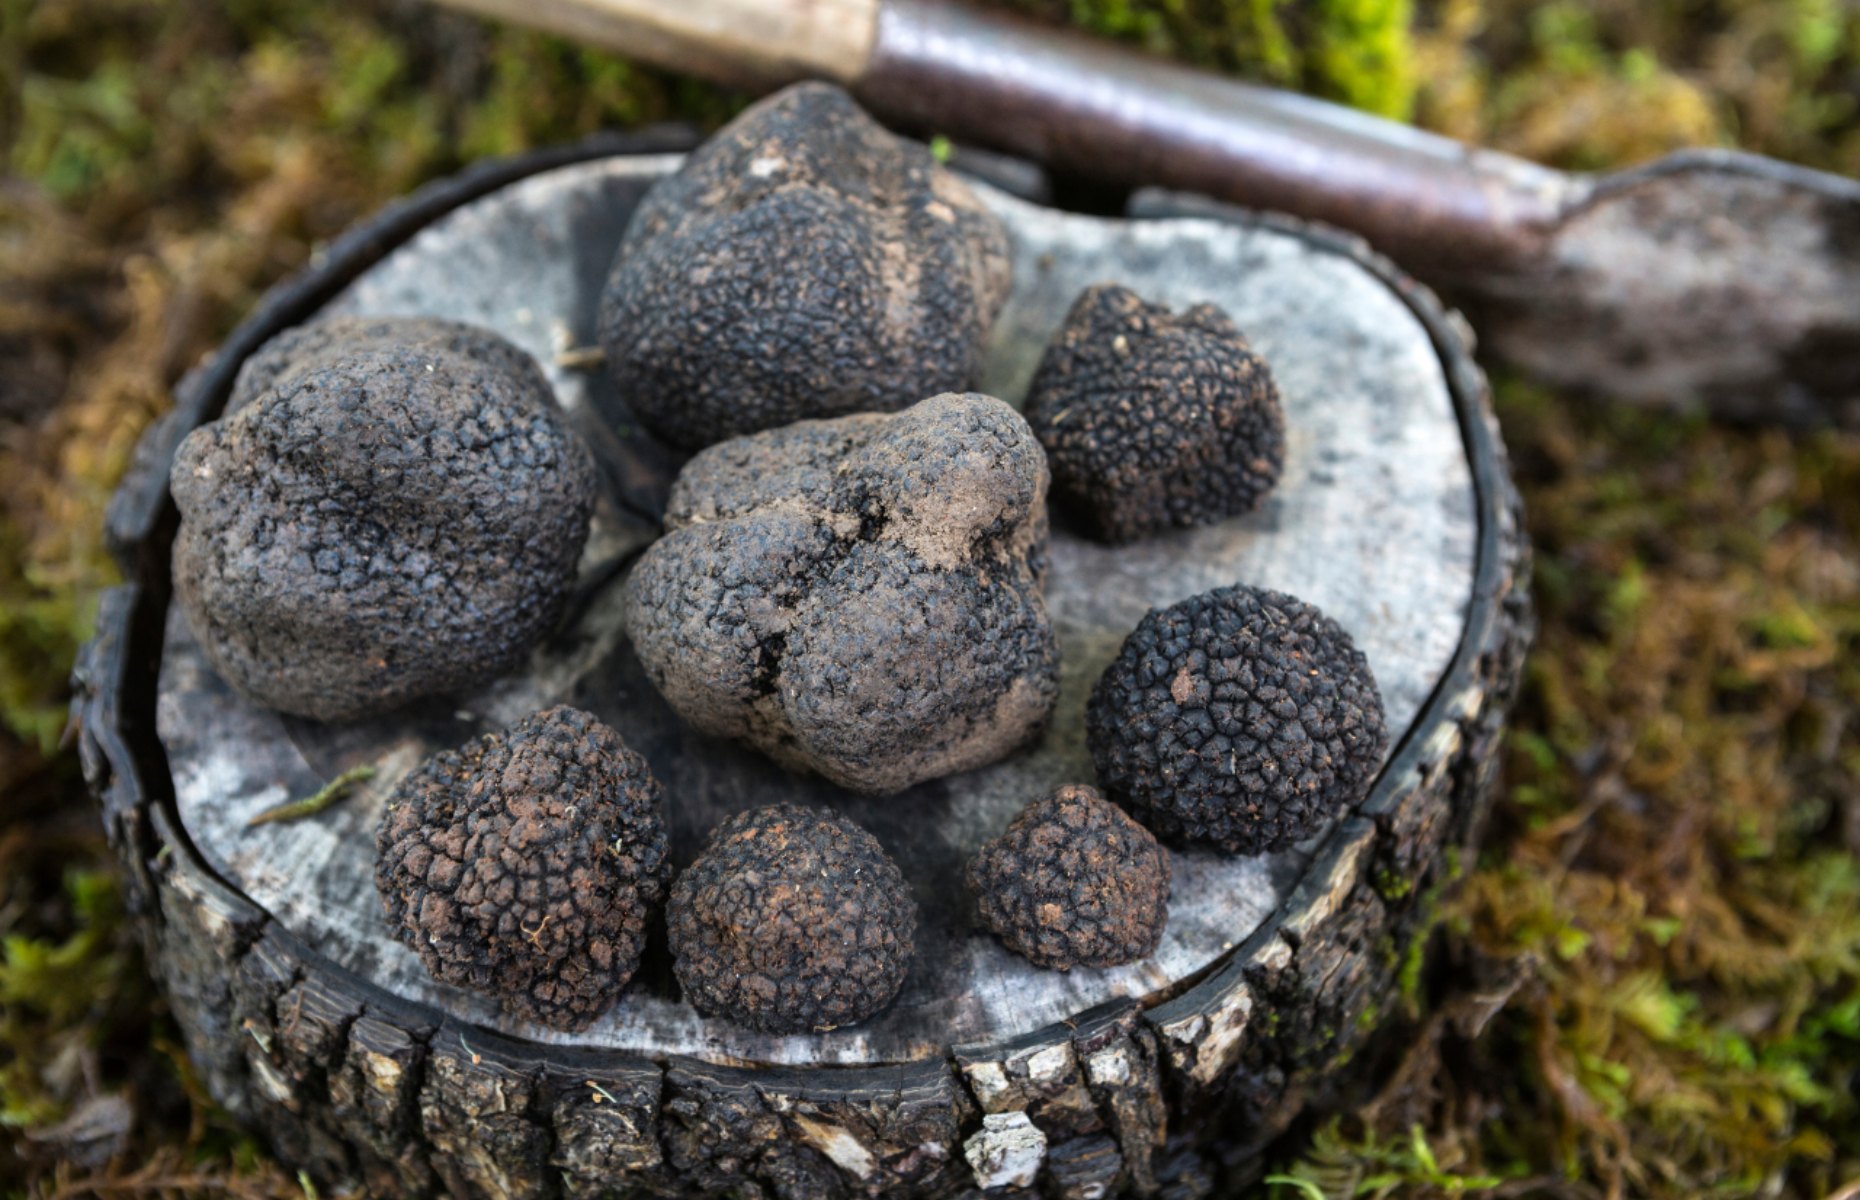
(1394,515)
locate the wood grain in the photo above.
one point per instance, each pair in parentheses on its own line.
(749,43)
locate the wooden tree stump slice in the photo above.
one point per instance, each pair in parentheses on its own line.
(1395,515)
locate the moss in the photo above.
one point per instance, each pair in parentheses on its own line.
(1408,972)
(1346,1162)
(1355,51)
(1666,888)
(41,627)
(1360,49)
(1392,886)
(52,982)
(1592,84)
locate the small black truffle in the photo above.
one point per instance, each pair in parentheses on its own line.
(802,263)
(1074,882)
(1151,420)
(391,508)
(526,865)
(1241,717)
(792,919)
(858,597)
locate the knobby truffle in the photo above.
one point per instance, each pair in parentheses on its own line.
(526,865)
(1073,882)
(391,509)
(802,263)
(858,597)
(1152,420)
(1241,717)
(792,919)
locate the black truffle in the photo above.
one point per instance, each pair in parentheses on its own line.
(391,509)
(801,263)
(526,864)
(1241,717)
(858,597)
(792,919)
(1074,882)
(1151,420)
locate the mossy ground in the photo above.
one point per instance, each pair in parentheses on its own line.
(1649,983)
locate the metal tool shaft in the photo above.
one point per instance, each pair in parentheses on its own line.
(1089,108)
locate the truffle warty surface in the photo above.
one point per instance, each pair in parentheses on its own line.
(1241,717)
(527,865)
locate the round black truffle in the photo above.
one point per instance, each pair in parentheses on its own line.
(1152,420)
(858,597)
(526,865)
(393,508)
(1241,717)
(792,919)
(1074,882)
(803,262)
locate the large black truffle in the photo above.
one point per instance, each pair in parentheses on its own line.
(858,597)
(1241,717)
(526,865)
(1073,882)
(392,508)
(792,919)
(803,262)
(1152,420)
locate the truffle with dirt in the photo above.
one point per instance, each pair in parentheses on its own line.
(858,597)
(793,919)
(526,865)
(391,508)
(802,263)
(1073,882)
(1241,717)
(1153,420)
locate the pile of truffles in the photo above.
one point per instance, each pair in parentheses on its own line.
(850,580)
(801,263)
(389,509)
(858,597)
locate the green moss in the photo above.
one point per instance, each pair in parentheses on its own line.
(1589,84)
(1354,51)
(1343,1164)
(41,628)
(1669,707)
(1360,49)
(1408,972)
(1392,886)
(48,986)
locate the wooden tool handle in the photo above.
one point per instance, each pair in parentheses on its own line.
(1094,110)
(753,43)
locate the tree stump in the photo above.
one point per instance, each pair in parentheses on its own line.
(306,1018)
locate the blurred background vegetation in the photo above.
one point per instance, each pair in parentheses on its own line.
(1648,983)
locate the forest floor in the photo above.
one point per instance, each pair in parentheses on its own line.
(1648,983)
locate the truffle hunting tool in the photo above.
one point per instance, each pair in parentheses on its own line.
(1023,756)
(1714,278)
